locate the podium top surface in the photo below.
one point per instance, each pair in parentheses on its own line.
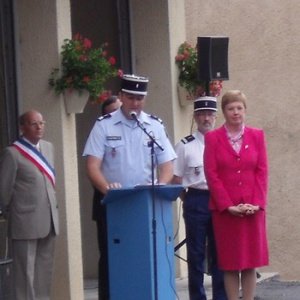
(169,192)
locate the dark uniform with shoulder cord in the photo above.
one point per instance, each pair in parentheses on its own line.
(197,217)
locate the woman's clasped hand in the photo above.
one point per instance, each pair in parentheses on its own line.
(243,209)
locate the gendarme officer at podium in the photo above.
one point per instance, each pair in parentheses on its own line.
(118,155)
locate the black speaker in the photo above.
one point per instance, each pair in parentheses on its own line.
(212,58)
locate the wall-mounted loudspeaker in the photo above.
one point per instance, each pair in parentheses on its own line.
(213,58)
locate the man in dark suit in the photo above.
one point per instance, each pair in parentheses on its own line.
(27,198)
(110,105)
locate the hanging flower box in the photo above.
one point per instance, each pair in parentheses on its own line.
(84,70)
(189,86)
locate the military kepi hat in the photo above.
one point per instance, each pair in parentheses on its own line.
(205,103)
(133,84)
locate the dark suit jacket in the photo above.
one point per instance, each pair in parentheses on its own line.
(27,195)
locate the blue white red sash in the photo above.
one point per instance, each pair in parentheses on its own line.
(36,157)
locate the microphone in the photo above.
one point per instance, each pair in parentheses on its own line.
(133,115)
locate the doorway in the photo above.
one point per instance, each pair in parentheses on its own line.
(101,21)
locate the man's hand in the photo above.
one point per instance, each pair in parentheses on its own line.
(114,185)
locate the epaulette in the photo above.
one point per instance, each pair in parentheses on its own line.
(104,117)
(156,118)
(187,139)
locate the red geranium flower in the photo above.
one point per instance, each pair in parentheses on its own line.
(86,79)
(120,73)
(112,60)
(87,43)
(83,67)
(83,58)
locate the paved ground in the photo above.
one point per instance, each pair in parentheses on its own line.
(269,287)
(274,289)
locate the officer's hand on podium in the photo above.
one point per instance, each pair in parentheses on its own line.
(149,184)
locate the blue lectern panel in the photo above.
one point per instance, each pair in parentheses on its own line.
(129,248)
(165,250)
(130,242)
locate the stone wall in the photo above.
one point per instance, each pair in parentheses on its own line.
(264,63)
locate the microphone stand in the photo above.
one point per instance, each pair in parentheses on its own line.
(151,144)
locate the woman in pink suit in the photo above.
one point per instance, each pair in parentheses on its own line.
(235,164)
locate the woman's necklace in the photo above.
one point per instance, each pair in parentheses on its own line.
(235,139)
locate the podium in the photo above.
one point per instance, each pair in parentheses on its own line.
(133,272)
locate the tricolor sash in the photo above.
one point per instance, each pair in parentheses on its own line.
(36,157)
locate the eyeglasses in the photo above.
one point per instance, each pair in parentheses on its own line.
(37,124)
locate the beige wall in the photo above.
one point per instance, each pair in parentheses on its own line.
(41,27)
(264,62)
(98,22)
(158,27)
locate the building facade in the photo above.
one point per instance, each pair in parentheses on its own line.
(144,36)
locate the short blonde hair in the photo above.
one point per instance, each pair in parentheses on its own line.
(233,96)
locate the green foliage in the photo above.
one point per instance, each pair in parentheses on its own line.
(186,60)
(83,68)
(187,63)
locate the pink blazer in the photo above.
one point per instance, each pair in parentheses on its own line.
(236,178)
